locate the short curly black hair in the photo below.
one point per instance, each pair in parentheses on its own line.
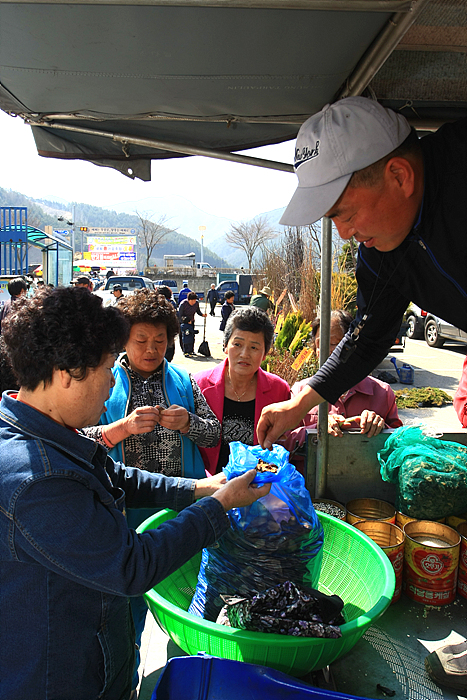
(253,320)
(148,306)
(63,328)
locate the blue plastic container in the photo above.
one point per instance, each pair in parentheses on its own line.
(406,373)
(206,677)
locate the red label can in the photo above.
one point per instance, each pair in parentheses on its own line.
(462,580)
(430,562)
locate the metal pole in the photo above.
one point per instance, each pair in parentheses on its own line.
(324,342)
(73,237)
(170,146)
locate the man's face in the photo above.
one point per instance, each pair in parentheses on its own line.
(192,302)
(378,216)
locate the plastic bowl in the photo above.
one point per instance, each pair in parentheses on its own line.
(354,567)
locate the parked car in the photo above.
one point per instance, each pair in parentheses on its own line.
(129,283)
(438,331)
(415,318)
(423,325)
(240,286)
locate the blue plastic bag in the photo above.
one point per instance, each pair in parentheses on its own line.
(278,538)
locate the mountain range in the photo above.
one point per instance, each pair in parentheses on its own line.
(182,218)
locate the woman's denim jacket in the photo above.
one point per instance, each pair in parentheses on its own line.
(68,560)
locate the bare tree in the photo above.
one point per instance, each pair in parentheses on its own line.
(151,232)
(249,236)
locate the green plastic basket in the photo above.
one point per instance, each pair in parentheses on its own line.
(354,567)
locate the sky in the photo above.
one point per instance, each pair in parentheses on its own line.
(233,190)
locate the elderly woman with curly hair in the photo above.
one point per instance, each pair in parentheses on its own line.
(156,416)
(68,560)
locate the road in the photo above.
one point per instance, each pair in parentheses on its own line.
(440,368)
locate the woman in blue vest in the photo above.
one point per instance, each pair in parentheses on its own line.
(156,414)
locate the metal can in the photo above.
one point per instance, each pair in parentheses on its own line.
(370,509)
(391,540)
(402,519)
(462,579)
(430,562)
(334,508)
(455,520)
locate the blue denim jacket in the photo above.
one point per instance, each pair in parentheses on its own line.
(68,560)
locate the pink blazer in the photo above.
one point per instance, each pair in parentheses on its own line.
(270,389)
(460,399)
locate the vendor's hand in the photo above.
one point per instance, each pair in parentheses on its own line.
(174,418)
(240,492)
(371,423)
(334,424)
(142,420)
(209,486)
(276,418)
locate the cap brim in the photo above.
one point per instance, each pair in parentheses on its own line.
(309,204)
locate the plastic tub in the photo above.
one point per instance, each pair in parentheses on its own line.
(208,678)
(354,567)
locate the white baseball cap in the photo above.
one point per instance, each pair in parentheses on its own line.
(331,145)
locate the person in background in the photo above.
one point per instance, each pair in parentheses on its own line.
(371,404)
(238,389)
(213,298)
(167,293)
(186,313)
(460,398)
(184,292)
(84,281)
(117,291)
(262,300)
(17,288)
(68,559)
(109,273)
(226,309)
(156,417)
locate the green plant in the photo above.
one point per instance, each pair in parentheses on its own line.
(422,397)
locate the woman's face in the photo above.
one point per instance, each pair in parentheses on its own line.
(146,347)
(245,351)
(336,337)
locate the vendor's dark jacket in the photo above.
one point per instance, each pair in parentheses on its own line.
(429,268)
(68,560)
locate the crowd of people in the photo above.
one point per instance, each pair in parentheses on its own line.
(101,429)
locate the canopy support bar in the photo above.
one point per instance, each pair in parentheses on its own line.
(171,146)
(380,50)
(322,5)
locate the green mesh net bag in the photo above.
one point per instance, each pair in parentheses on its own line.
(430,473)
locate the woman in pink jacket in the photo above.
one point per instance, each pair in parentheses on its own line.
(238,389)
(460,398)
